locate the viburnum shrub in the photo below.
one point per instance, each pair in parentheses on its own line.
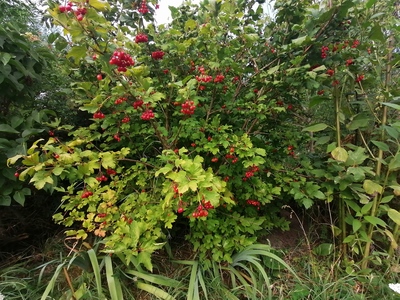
(189,125)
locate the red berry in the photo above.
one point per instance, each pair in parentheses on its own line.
(214,159)
(16,174)
(141,38)
(157,55)
(180,210)
(330,72)
(99,77)
(51,133)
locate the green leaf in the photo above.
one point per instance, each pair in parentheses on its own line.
(5,200)
(394,215)
(372,188)
(107,160)
(19,196)
(299,40)
(316,127)
(340,154)
(324,249)
(7,128)
(159,293)
(394,164)
(77,53)
(356,157)
(260,151)
(376,34)
(164,170)
(273,70)
(370,3)
(190,25)
(5,57)
(356,225)
(381,146)
(99,5)
(375,221)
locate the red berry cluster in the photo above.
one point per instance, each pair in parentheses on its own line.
(207,205)
(157,55)
(101,178)
(120,100)
(200,212)
(141,38)
(188,107)
(125,120)
(175,188)
(335,82)
(103,215)
(67,8)
(290,149)
(360,78)
(232,157)
(254,203)
(98,115)
(355,44)
(111,172)
(349,62)
(117,137)
(250,172)
(127,219)
(79,12)
(214,159)
(143,8)
(324,51)
(122,60)
(147,115)
(320,92)
(137,104)
(86,194)
(219,78)
(204,78)
(330,72)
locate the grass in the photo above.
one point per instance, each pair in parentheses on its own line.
(59,271)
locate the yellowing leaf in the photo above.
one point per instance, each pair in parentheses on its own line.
(372,188)
(340,154)
(394,215)
(99,5)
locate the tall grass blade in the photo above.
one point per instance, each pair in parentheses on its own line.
(114,285)
(193,282)
(201,281)
(154,291)
(153,278)
(96,270)
(52,281)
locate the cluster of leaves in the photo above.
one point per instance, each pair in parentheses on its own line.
(22,61)
(131,176)
(197,123)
